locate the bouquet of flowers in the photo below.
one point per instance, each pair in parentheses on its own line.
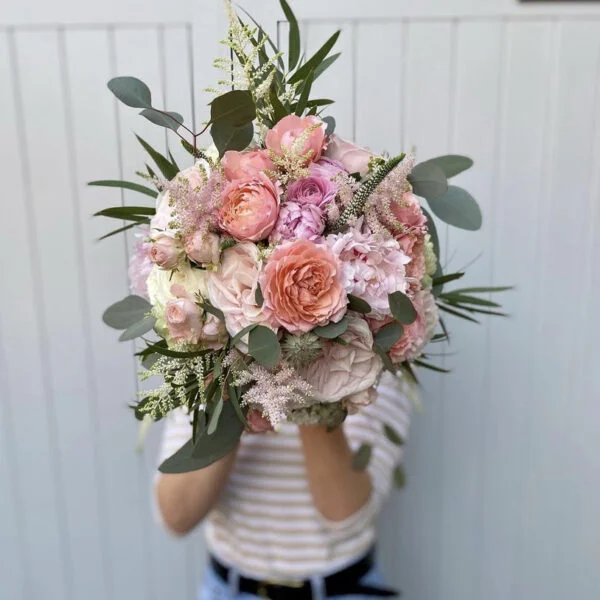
(279,275)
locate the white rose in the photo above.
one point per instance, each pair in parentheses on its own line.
(161,281)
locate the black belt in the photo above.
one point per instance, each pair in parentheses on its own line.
(344,582)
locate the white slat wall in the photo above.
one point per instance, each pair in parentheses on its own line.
(503,463)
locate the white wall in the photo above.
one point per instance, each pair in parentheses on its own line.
(503,463)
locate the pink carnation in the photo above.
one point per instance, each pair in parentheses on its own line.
(301,222)
(140,264)
(372,266)
(345,369)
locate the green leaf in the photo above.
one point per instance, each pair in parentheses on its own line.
(432,230)
(236,108)
(358,304)
(457,313)
(483,290)
(258,296)
(234,398)
(279,110)
(294,37)
(127,185)
(230,137)
(126,312)
(137,408)
(451,164)
(428,181)
(149,360)
(402,308)
(321,68)
(158,348)
(133,213)
(362,457)
(447,278)
(138,329)
(315,60)
(319,102)
(458,208)
(388,365)
(131,91)
(195,153)
(388,335)
(213,310)
(399,477)
(208,448)
(121,229)
(330,122)
(166,167)
(409,372)
(457,298)
(392,435)
(216,413)
(241,333)
(305,94)
(263,346)
(426,365)
(163,118)
(332,330)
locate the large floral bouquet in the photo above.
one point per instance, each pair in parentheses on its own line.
(286,268)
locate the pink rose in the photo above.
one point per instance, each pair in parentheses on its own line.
(140,264)
(298,222)
(301,286)
(354,158)
(345,370)
(195,175)
(328,168)
(257,422)
(232,288)
(165,252)
(359,400)
(202,247)
(409,221)
(249,208)
(246,165)
(417,335)
(415,269)
(312,190)
(183,317)
(303,136)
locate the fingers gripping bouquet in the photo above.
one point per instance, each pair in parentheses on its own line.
(279,275)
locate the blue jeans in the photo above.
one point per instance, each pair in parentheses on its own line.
(214,588)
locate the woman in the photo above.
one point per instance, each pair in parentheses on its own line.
(286,514)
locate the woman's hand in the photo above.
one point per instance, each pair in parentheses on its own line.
(337,489)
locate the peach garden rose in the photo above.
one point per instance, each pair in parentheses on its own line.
(303,136)
(302,287)
(246,165)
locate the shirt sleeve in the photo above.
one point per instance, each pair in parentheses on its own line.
(392,407)
(177,431)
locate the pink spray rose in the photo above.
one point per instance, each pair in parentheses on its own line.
(312,190)
(232,287)
(372,266)
(140,264)
(165,252)
(202,247)
(345,370)
(296,221)
(354,158)
(257,422)
(183,317)
(249,208)
(417,335)
(246,165)
(301,285)
(303,136)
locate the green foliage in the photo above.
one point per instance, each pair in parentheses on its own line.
(447,278)
(402,308)
(258,296)
(138,329)
(388,365)
(362,457)
(122,229)
(428,180)
(216,412)
(170,120)
(399,477)
(311,64)
(126,312)
(294,36)
(425,365)
(392,435)
(358,304)
(139,214)
(131,91)
(165,166)
(451,164)
(127,185)
(332,330)
(330,122)
(231,116)
(388,335)
(458,208)
(263,346)
(432,229)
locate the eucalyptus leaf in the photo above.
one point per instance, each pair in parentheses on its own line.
(231,137)
(451,164)
(131,91)
(241,333)
(149,360)
(428,181)
(170,120)
(399,477)
(388,335)
(258,296)
(126,312)
(332,330)
(392,435)
(458,208)
(213,310)
(126,185)
(330,122)
(358,304)
(263,346)
(208,448)
(236,108)
(388,365)
(402,308)
(138,329)
(362,457)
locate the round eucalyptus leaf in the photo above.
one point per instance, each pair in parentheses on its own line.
(332,330)
(236,108)
(451,164)
(402,308)
(388,335)
(229,137)
(428,180)
(170,120)
(330,121)
(362,457)
(358,304)
(458,208)
(138,329)
(126,312)
(263,346)
(131,91)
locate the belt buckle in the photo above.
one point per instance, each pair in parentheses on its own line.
(262,586)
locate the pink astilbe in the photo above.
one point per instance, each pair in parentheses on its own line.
(274,393)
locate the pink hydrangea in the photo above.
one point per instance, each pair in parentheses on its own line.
(140,264)
(297,221)
(372,266)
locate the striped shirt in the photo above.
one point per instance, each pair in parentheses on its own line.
(265,523)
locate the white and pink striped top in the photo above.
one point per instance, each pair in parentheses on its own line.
(265,523)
